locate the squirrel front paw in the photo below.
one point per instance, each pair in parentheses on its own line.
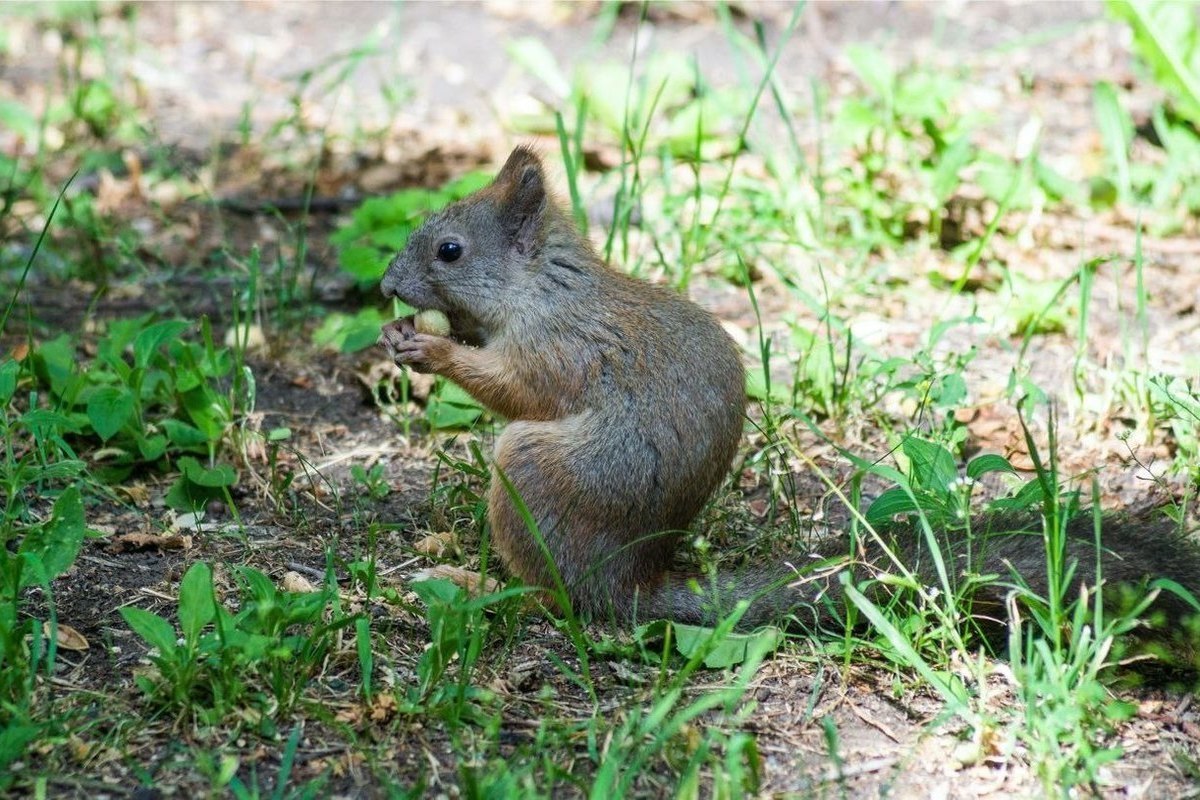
(421,352)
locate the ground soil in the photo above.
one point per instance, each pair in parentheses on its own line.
(205,68)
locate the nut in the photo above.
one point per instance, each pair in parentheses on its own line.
(432,322)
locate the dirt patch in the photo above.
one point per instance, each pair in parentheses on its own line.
(216,82)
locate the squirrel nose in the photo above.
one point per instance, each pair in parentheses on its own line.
(388,284)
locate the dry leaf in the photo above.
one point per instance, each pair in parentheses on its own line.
(351,716)
(133,165)
(79,749)
(465,578)
(112,192)
(295,582)
(383,707)
(186,521)
(437,544)
(68,638)
(128,542)
(251,336)
(138,493)
(759,507)
(254,445)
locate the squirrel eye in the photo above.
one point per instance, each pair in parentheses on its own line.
(449,251)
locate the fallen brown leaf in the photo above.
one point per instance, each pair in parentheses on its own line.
(128,542)
(295,582)
(68,638)
(138,493)
(465,578)
(437,544)
(80,750)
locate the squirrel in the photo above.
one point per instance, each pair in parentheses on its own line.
(626,404)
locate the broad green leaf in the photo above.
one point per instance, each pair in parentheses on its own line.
(388,241)
(1058,186)
(196,606)
(470,182)
(120,336)
(1028,496)
(14,738)
(109,408)
(756,388)
(670,76)
(889,504)
(933,466)
(197,485)
(187,496)
(1165,36)
(151,448)
(950,391)
(363,262)
(926,95)
(153,629)
(149,340)
(438,591)
(183,435)
(606,87)
(55,362)
(733,648)
(707,123)
(945,176)
(186,371)
(451,407)
(988,462)
(9,371)
(1002,180)
(56,543)
(258,584)
(856,121)
(220,475)
(96,103)
(350,333)
(208,411)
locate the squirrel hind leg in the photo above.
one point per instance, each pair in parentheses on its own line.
(601,580)
(602,545)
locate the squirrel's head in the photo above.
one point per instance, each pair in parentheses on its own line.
(467,260)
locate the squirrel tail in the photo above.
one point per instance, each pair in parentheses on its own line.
(1135,551)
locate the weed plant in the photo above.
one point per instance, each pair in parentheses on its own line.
(759,186)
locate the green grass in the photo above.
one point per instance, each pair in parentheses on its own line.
(825,211)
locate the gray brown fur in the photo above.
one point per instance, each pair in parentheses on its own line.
(1133,552)
(625,403)
(625,400)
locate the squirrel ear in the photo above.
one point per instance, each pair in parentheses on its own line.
(521,157)
(522,198)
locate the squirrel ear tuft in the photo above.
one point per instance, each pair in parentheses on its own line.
(521,157)
(523,198)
